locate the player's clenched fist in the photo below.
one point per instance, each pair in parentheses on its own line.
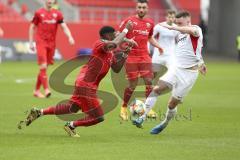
(160,50)
(203,69)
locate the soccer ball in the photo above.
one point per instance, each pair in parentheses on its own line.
(137,108)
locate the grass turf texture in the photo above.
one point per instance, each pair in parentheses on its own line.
(212,133)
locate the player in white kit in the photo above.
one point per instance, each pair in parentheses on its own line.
(181,78)
(166,38)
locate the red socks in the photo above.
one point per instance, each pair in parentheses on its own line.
(59,109)
(88,121)
(38,83)
(127,95)
(95,115)
(148,90)
(48,111)
(42,79)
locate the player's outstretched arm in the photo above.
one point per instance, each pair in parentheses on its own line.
(120,37)
(67,32)
(111,45)
(184,29)
(154,43)
(120,58)
(31,34)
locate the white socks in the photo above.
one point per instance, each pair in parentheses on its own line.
(150,102)
(170,114)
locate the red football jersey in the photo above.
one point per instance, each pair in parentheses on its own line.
(96,68)
(141,32)
(47,24)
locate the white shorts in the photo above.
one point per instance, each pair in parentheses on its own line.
(181,81)
(163,60)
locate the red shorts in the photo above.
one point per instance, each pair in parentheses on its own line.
(139,66)
(87,99)
(45,54)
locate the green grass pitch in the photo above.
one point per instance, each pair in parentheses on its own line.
(211,132)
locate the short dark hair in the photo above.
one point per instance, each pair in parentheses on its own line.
(142,1)
(105,30)
(183,14)
(169,11)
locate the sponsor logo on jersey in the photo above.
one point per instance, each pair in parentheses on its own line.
(145,33)
(42,15)
(53,21)
(182,39)
(148,25)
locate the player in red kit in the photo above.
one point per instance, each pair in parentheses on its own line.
(139,62)
(45,22)
(85,94)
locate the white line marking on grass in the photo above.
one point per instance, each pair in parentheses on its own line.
(24,80)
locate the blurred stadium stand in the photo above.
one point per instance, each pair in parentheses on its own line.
(112,11)
(8,14)
(96,11)
(103,3)
(189,5)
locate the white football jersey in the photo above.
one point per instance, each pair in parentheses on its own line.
(188,49)
(166,39)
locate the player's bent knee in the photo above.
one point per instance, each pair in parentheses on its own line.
(132,87)
(148,81)
(100,119)
(74,108)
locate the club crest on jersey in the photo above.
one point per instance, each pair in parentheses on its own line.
(148,25)
(54,15)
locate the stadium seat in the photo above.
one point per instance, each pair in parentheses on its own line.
(103,3)
(113,11)
(9,14)
(193,8)
(10,2)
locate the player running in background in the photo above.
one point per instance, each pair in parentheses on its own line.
(45,22)
(181,78)
(139,61)
(166,38)
(85,94)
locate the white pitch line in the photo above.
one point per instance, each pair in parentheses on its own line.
(24,80)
